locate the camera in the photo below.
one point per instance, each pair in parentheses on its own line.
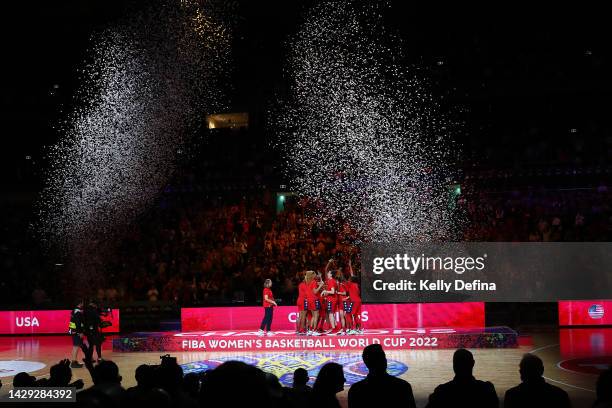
(167,360)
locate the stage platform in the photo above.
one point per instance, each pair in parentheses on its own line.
(390,339)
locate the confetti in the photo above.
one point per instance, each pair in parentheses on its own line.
(360,135)
(150,81)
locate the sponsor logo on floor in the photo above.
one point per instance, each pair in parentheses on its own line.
(283,365)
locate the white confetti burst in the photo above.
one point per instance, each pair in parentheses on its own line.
(150,82)
(359,133)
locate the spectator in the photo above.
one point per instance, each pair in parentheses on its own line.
(24,380)
(533,390)
(300,380)
(604,390)
(329,382)
(191,385)
(95,398)
(275,391)
(379,388)
(153,294)
(235,384)
(145,376)
(299,394)
(144,383)
(169,377)
(107,381)
(60,375)
(464,390)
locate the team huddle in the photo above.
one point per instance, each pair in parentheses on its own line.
(330,304)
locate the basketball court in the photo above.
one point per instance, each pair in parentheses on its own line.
(573,358)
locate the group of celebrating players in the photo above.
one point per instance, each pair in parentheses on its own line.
(322,299)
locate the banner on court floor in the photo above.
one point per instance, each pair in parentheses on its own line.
(287,341)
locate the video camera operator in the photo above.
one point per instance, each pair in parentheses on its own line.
(92,324)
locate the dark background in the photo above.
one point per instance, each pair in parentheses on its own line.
(520,81)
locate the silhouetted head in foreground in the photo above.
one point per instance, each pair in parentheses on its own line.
(375,359)
(604,387)
(94,399)
(330,380)
(531,368)
(300,377)
(275,389)
(106,372)
(24,380)
(169,376)
(235,384)
(144,376)
(463,363)
(191,384)
(60,374)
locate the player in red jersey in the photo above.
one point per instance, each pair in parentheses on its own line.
(347,307)
(302,305)
(320,303)
(355,295)
(324,317)
(342,298)
(313,288)
(355,307)
(331,299)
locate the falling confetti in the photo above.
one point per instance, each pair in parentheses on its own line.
(149,84)
(360,135)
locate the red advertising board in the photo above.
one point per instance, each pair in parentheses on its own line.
(373,316)
(45,321)
(585,312)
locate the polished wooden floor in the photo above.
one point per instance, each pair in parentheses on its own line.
(426,368)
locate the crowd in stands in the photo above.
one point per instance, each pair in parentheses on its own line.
(223,253)
(194,251)
(539,216)
(198,253)
(164,385)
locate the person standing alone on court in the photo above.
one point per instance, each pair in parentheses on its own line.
(268,304)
